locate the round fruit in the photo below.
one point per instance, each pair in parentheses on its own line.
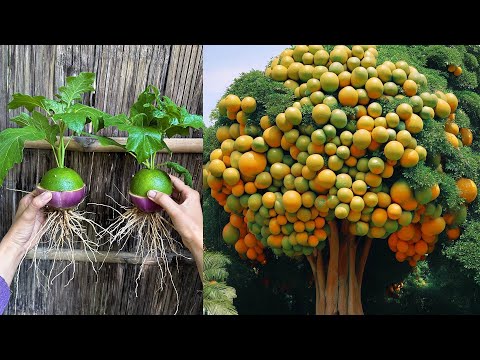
(468,189)
(329,82)
(252,163)
(394,150)
(232,103)
(348,96)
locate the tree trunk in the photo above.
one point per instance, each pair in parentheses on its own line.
(338,288)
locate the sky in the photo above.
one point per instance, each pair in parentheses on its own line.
(223,63)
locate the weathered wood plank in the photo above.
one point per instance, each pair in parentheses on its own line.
(122,72)
(86,144)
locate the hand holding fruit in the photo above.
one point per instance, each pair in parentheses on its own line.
(22,235)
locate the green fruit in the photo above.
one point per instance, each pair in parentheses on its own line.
(63,179)
(147,179)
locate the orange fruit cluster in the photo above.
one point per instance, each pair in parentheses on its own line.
(288,177)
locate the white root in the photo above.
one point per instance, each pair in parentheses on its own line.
(154,240)
(62,229)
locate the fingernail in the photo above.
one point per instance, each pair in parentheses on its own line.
(152,193)
(47,195)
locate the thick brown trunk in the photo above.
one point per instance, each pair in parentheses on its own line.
(321,284)
(331,291)
(338,290)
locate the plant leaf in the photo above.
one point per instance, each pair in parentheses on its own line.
(53,105)
(103,140)
(144,105)
(12,141)
(39,122)
(187,177)
(143,141)
(27,101)
(91,114)
(120,121)
(76,86)
(74,121)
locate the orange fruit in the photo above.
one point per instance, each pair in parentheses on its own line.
(402,246)
(374,88)
(348,96)
(371,199)
(326,178)
(421,247)
(467,137)
(223,133)
(248,105)
(452,139)
(329,82)
(452,128)
(404,111)
(453,233)
(279,73)
(273,136)
(394,211)
(433,226)
(366,122)
(362,139)
(373,180)
(232,103)
(379,217)
(216,167)
(321,114)
(452,101)
(394,150)
(467,189)
(458,71)
(442,110)
(265,122)
(409,158)
(292,201)
(414,124)
(252,163)
(410,87)
(406,233)
(231,176)
(401,192)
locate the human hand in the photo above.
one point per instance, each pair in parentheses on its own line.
(186,216)
(22,235)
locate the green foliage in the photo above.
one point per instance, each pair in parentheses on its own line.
(217,295)
(55,118)
(307,118)
(11,146)
(421,176)
(152,119)
(467,249)
(179,169)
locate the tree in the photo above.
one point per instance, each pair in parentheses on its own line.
(327,153)
(218,296)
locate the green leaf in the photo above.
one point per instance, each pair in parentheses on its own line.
(39,122)
(76,86)
(11,146)
(187,177)
(55,106)
(121,121)
(144,105)
(42,124)
(91,114)
(74,121)
(143,141)
(27,101)
(78,115)
(103,140)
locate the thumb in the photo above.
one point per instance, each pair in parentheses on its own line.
(35,205)
(165,201)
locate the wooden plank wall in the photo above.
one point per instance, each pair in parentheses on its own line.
(123,71)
